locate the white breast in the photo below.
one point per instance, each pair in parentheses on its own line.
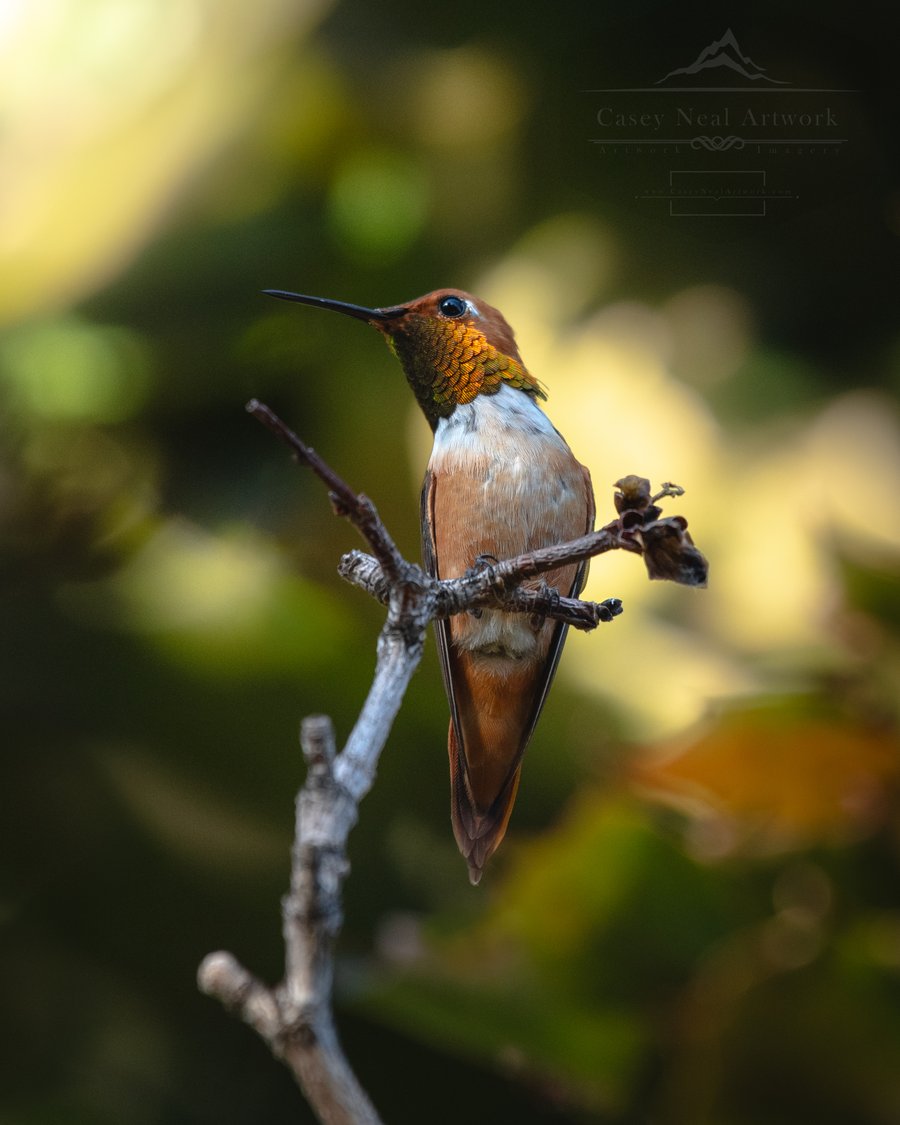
(515,486)
(506,423)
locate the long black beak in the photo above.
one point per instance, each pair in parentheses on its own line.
(359,311)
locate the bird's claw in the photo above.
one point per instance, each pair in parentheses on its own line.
(609,608)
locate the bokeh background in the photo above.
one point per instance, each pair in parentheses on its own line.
(696,915)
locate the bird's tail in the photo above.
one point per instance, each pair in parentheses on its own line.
(478,831)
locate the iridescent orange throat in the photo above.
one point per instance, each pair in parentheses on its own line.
(449,363)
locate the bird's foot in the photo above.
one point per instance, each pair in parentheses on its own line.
(482,563)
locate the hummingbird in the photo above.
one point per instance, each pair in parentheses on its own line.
(500,481)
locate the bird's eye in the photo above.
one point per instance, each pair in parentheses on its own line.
(452,306)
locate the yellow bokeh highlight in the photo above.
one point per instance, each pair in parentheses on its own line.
(776,587)
(711,328)
(853,457)
(110,110)
(465,98)
(188,578)
(223,601)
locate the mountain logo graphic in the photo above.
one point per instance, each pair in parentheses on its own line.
(725,52)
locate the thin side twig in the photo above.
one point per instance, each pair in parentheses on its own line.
(356,507)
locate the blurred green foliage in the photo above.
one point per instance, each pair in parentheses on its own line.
(696,917)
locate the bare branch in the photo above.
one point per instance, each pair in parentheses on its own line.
(295,1017)
(482,590)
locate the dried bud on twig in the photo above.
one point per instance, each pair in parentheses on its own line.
(668,550)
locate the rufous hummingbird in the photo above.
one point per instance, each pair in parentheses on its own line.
(501,481)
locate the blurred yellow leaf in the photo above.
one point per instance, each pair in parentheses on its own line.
(790,777)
